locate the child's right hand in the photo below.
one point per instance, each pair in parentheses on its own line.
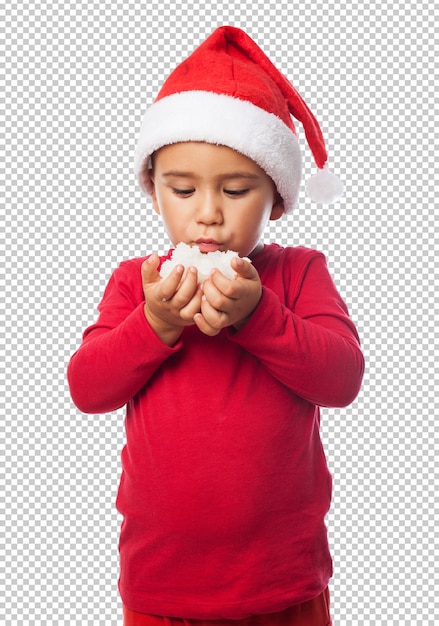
(170,304)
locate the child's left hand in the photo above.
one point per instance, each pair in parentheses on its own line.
(229,302)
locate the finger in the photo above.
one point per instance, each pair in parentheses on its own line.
(187,289)
(217,281)
(149,270)
(216,318)
(204,326)
(169,285)
(244,268)
(188,312)
(218,291)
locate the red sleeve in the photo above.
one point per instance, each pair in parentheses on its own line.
(120,352)
(308,343)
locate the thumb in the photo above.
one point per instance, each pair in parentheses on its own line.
(150,270)
(244,268)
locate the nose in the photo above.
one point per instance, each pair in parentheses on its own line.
(209,209)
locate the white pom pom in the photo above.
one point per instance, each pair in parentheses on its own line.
(324,187)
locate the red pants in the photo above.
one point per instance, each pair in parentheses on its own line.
(312,613)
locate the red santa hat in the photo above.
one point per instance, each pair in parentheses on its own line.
(228,92)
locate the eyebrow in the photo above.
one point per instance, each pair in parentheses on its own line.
(227,175)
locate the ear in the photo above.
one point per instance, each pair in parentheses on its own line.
(278,208)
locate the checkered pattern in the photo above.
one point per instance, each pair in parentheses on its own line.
(77,79)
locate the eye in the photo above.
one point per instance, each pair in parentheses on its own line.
(236,192)
(182,192)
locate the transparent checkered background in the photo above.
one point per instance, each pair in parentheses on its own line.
(77,78)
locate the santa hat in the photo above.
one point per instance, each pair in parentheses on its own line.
(227,92)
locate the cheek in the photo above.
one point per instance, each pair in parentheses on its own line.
(163,204)
(156,199)
(251,226)
(168,220)
(260,214)
(175,221)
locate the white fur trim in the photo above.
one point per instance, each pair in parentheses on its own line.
(228,121)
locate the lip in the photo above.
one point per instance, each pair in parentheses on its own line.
(208,245)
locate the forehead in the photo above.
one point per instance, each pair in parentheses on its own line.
(204,157)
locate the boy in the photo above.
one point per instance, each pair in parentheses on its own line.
(224,486)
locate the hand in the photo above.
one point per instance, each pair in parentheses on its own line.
(172,303)
(229,302)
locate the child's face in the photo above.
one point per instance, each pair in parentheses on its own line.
(213,197)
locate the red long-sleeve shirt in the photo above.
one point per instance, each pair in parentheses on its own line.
(225,485)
